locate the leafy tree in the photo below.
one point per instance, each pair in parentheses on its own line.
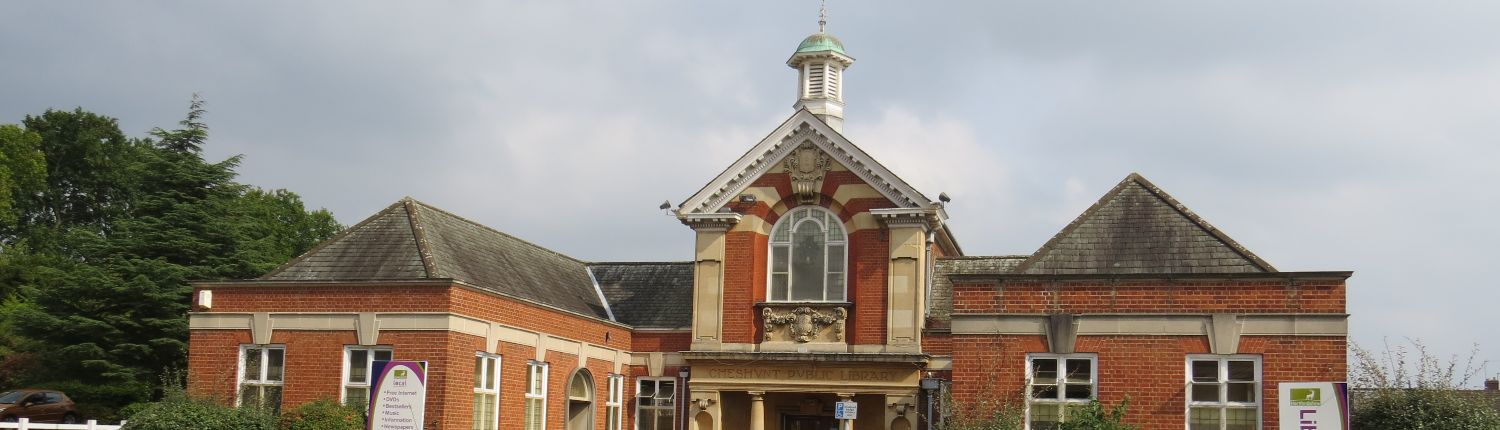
(22,169)
(277,226)
(88,172)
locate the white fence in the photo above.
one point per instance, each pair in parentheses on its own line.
(25,423)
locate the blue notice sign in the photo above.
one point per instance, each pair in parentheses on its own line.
(845,410)
(398,395)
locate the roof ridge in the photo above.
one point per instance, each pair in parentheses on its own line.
(419,233)
(426,206)
(332,240)
(982,257)
(1137,179)
(635,263)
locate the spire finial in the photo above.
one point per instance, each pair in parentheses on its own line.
(823,16)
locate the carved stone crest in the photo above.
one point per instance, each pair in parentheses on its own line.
(804,323)
(806,166)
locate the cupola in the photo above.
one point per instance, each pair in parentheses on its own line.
(820,62)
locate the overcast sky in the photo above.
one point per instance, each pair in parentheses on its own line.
(1354,135)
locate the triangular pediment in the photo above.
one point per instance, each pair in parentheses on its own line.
(1138,229)
(802,127)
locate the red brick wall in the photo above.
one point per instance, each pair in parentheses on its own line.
(314,358)
(661,342)
(330,298)
(1154,296)
(1150,369)
(869,261)
(512,384)
(490,308)
(1296,359)
(213,359)
(744,285)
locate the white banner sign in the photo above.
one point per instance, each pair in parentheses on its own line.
(398,396)
(1314,405)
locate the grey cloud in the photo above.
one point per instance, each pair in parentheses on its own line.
(1323,135)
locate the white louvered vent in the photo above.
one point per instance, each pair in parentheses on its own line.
(833,82)
(815,83)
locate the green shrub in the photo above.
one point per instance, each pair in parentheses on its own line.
(182,411)
(324,414)
(131,409)
(1094,416)
(1391,392)
(97,412)
(1418,408)
(987,412)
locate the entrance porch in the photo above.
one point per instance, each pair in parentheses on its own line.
(760,410)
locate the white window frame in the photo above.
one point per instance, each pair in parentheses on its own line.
(614,402)
(263,373)
(533,368)
(1223,382)
(345,385)
(791,223)
(1061,400)
(676,385)
(487,363)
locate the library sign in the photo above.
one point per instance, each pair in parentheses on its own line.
(1314,405)
(800,375)
(398,395)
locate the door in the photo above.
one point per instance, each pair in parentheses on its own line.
(808,422)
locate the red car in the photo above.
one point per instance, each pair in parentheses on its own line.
(41,406)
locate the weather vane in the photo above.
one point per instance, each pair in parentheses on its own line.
(823,16)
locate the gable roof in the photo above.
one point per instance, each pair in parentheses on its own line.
(648,294)
(412,240)
(1138,228)
(802,126)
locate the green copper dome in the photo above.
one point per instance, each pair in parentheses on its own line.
(821,42)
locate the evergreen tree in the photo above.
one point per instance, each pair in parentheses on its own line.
(103,300)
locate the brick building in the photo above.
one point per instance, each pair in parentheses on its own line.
(818,277)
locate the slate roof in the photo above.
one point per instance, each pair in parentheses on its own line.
(656,295)
(940,307)
(1138,228)
(412,240)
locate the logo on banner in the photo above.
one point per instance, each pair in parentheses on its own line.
(1307,397)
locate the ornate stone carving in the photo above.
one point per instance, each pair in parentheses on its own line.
(703,403)
(806,165)
(804,324)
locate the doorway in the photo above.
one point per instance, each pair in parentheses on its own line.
(808,422)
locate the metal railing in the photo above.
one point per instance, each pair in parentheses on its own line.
(25,424)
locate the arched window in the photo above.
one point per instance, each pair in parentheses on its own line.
(581,401)
(808,250)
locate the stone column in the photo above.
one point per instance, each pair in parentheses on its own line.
(757,410)
(708,278)
(907,271)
